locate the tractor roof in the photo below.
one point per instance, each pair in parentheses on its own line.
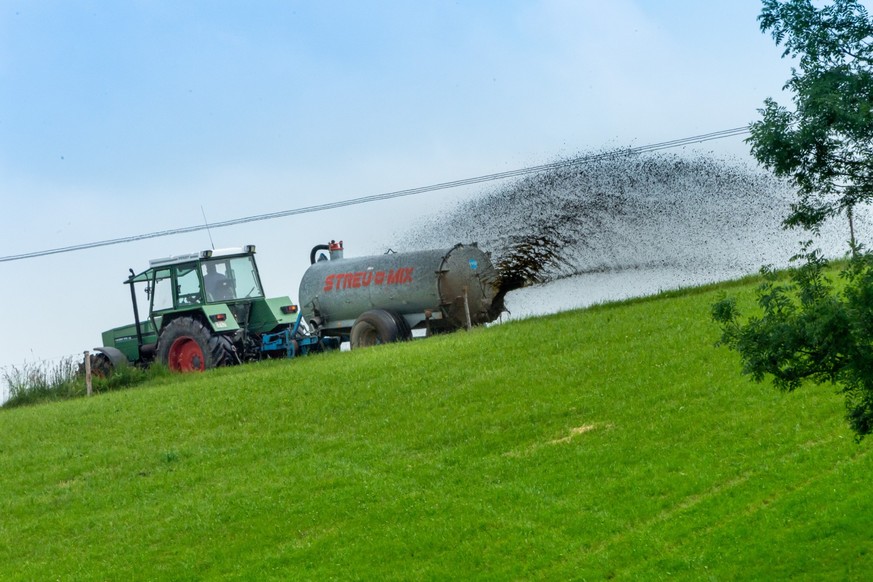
(207,254)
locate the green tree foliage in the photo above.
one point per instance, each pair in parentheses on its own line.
(810,331)
(825,144)
(811,328)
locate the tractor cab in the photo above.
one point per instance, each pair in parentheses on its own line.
(212,276)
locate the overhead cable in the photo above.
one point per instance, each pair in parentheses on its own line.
(389,195)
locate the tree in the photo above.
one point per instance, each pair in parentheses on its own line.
(825,145)
(811,328)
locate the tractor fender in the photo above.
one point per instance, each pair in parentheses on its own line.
(118,359)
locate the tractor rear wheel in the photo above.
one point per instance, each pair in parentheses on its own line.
(186,345)
(374,327)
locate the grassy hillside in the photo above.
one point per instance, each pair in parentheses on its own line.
(613,442)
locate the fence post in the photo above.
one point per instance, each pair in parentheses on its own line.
(88,372)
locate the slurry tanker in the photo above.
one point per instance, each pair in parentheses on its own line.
(208,309)
(379,299)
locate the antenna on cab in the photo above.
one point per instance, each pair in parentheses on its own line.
(206,222)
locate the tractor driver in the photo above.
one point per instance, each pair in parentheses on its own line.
(218,286)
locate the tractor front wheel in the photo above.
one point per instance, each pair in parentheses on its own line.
(101,366)
(186,345)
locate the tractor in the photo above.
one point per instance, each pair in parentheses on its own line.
(206,310)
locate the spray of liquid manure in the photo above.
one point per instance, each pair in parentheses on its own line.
(704,216)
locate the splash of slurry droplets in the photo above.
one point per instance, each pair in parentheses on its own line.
(700,219)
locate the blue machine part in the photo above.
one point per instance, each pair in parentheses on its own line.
(284,340)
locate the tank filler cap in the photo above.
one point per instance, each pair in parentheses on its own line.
(336,250)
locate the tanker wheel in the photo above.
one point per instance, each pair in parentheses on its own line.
(374,327)
(404,332)
(186,345)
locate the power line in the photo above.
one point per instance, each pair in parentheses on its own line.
(736,131)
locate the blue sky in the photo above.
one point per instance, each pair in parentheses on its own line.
(106,94)
(120,118)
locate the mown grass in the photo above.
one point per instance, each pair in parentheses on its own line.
(614,442)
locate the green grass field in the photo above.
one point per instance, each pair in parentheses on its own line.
(609,443)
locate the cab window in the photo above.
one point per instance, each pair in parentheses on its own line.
(162,290)
(188,285)
(231,278)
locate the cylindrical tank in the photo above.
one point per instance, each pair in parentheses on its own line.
(436,287)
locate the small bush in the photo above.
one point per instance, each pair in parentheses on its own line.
(46,382)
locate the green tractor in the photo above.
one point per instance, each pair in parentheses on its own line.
(206,310)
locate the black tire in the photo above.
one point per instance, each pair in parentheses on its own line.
(374,327)
(186,345)
(101,366)
(404,332)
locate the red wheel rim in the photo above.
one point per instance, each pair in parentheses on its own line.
(186,356)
